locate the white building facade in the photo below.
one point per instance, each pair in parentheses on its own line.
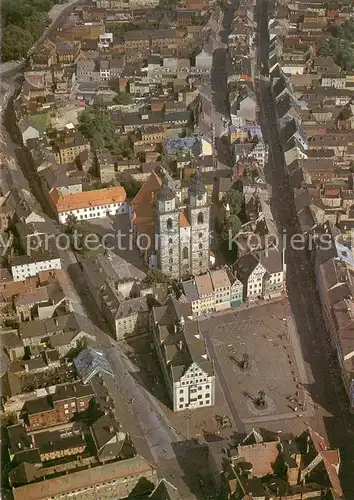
(90,204)
(194,389)
(23,267)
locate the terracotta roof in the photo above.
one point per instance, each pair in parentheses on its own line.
(332,193)
(331,462)
(183,219)
(143,206)
(219,278)
(132,467)
(262,457)
(204,285)
(319,443)
(88,198)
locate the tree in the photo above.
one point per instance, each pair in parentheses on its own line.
(155,276)
(229,231)
(23,22)
(16,42)
(122,148)
(123,98)
(131,185)
(340,46)
(71,222)
(235,200)
(95,124)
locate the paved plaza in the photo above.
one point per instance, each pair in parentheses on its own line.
(267,336)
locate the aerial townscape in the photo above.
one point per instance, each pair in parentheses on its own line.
(177,252)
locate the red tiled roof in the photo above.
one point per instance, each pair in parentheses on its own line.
(143,206)
(64,203)
(183,219)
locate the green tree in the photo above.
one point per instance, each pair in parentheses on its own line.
(23,22)
(95,124)
(229,231)
(235,200)
(123,148)
(123,98)
(131,185)
(155,276)
(16,42)
(340,46)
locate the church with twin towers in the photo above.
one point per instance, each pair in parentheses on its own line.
(183,231)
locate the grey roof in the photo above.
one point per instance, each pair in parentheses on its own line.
(245,265)
(272,260)
(107,437)
(165,193)
(70,391)
(18,438)
(165,491)
(180,341)
(133,306)
(190,290)
(197,187)
(90,362)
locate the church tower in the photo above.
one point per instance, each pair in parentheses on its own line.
(167,230)
(199,217)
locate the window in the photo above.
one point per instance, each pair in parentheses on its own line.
(200,246)
(185,253)
(207,402)
(171,260)
(82,403)
(170,251)
(73,403)
(66,406)
(200,218)
(207,395)
(200,235)
(169,223)
(181,390)
(180,406)
(66,411)
(200,264)
(170,241)
(181,400)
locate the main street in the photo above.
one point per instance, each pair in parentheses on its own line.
(326,390)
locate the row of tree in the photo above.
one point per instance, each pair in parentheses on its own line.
(23,23)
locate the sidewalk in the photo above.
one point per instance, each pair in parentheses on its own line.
(243,306)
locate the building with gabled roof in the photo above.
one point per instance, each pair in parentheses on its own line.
(90,204)
(188,371)
(90,362)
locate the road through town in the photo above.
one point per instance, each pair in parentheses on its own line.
(326,388)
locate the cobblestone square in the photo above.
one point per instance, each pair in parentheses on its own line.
(265,335)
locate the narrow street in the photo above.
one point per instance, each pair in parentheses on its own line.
(221,115)
(327,390)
